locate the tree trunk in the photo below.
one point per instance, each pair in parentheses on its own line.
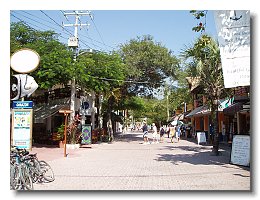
(215,150)
(109,125)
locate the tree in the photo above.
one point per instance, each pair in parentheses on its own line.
(99,71)
(103,73)
(148,64)
(204,62)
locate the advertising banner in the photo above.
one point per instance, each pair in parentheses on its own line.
(233,28)
(86,134)
(22,128)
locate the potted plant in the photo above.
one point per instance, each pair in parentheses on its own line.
(74,134)
(60,135)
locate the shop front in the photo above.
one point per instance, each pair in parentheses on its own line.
(238,118)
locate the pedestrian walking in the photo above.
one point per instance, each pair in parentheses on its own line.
(168,131)
(172,132)
(155,137)
(145,133)
(162,131)
(178,132)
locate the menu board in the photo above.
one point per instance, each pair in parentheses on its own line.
(240,153)
(201,137)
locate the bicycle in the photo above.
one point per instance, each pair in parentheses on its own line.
(19,172)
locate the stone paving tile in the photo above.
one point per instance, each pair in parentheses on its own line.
(127,164)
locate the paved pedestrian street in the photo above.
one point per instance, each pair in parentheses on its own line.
(128,164)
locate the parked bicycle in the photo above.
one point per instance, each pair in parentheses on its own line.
(26,169)
(19,172)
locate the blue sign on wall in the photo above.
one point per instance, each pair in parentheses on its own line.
(22,104)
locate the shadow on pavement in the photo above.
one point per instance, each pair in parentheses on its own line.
(128,137)
(196,158)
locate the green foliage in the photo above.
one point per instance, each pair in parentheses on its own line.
(199,15)
(148,63)
(60,132)
(100,71)
(55,58)
(204,58)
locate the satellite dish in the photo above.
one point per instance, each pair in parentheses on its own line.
(25,60)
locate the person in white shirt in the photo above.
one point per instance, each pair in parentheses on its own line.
(155,134)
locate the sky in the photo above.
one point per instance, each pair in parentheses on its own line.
(110,28)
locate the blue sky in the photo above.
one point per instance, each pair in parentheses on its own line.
(110,28)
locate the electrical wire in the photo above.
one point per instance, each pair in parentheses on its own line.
(81,41)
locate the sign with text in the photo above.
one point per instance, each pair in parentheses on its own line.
(22,128)
(22,104)
(240,153)
(233,28)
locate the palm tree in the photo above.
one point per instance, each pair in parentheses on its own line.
(204,62)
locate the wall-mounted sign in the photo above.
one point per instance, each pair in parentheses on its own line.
(233,27)
(22,104)
(22,128)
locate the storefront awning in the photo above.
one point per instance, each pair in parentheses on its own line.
(43,111)
(202,110)
(234,108)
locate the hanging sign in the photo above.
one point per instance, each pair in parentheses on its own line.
(233,28)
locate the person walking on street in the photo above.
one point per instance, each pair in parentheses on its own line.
(145,133)
(162,131)
(178,132)
(154,133)
(168,131)
(172,132)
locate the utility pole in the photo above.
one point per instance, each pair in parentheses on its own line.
(73,42)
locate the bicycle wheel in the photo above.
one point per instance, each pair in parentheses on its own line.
(15,181)
(46,171)
(34,170)
(25,177)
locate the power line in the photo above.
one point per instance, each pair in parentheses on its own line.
(98,31)
(37,20)
(31,24)
(41,28)
(55,22)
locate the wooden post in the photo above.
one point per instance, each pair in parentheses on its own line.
(66,113)
(65,134)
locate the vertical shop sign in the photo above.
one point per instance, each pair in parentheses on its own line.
(86,134)
(233,28)
(22,128)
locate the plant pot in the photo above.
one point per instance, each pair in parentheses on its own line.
(61,144)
